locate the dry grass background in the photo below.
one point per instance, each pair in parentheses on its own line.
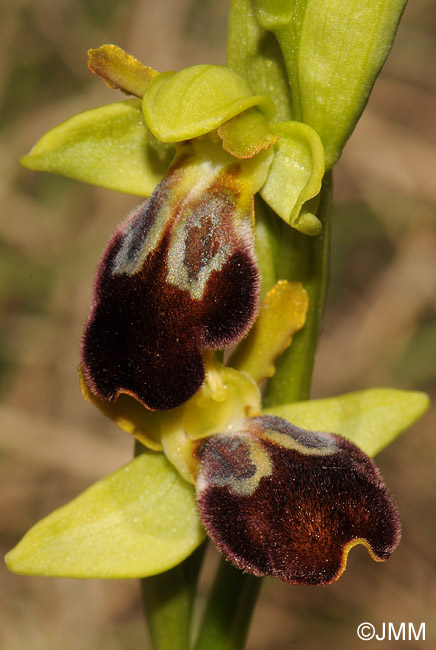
(380,325)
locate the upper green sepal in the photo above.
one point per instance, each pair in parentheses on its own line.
(108,146)
(187,104)
(371,418)
(139,521)
(295,176)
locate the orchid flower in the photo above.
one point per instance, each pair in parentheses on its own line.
(192,312)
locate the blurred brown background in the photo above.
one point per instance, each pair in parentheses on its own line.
(380,326)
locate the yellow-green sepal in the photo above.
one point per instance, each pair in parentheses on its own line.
(187,104)
(371,418)
(295,176)
(139,521)
(109,146)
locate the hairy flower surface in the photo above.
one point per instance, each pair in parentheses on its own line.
(177,278)
(279,500)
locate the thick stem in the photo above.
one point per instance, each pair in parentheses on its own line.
(305,259)
(229,609)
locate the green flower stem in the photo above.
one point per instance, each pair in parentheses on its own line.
(168,603)
(305,259)
(228,610)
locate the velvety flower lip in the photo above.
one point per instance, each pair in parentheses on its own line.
(281,501)
(177,278)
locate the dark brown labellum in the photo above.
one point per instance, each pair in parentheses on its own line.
(178,278)
(314,496)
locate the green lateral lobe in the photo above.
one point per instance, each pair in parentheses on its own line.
(303,259)
(295,176)
(139,521)
(108,146)
(187,104)
(371,419)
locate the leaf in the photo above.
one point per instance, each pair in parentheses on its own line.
(371,418)
(108,146)
(139,521)
(187,104)
(295,176)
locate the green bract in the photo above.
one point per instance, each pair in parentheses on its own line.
(186,104)
(108,146)
(332,52)
(124,526)
(255,55)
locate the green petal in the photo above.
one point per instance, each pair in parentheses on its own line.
(282,314)
(120,70)
(295,176)
(108,146)
(139,521)
(246,134)
(183,105)
(371,419)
